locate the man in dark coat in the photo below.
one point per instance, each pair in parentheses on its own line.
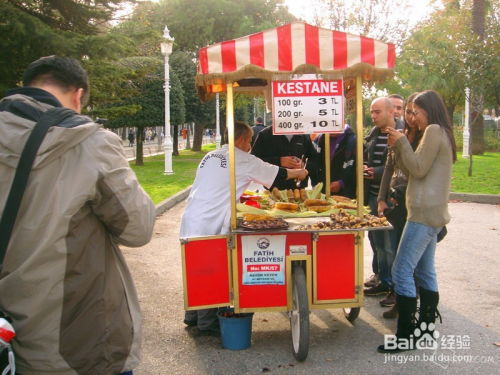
(342,162)
(287,151)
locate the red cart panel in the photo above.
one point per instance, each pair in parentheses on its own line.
(269,295)
(206,270)
(335,267)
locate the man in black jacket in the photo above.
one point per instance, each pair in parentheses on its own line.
(287,151)
(375,154)
(342,162)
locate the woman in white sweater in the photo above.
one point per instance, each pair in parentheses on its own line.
(429,175)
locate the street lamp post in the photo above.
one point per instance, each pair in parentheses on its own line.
(466,133)
(166,50)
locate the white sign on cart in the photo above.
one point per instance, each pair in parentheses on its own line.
(308,105)
(263,259)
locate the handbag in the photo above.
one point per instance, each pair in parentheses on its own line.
(442,234)
(49,118)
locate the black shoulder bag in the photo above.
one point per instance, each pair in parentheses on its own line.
(49,118)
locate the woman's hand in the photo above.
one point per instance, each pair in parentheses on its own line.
(381,206)
(393,135)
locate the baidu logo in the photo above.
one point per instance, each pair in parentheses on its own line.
(425,336)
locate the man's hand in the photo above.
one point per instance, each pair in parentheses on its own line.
(382,205)
(335,186)
(299,174)
(291,162)
(368,172)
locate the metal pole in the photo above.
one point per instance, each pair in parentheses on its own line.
(232,160)
(359,146)
(466,133)
(217,121)
(166,50)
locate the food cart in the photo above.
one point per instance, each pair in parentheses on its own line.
(308,263)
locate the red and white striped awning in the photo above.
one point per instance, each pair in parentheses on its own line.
(292,49)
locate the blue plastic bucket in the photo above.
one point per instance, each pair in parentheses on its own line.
(236,331)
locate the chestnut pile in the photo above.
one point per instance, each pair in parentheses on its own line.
(345,220)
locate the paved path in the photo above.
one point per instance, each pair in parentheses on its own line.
(468,271)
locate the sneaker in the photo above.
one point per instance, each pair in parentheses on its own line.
(392,313)
(389,301)
(376,290)
(372,281)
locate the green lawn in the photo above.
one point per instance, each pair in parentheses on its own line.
(485,177)
(160,186)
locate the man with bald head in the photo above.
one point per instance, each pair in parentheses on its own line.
(375,154)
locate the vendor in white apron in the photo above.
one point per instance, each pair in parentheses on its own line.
(208,210)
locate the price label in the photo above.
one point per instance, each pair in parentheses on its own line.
(308,105)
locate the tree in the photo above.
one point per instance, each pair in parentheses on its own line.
(32,29)
(216,21)
(83,17)
(431,60)
(453,58)
(148,99)
(219,20)
(476,97)
(386,20)
(177,108)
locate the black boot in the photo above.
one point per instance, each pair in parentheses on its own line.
(407,307)
(428,312)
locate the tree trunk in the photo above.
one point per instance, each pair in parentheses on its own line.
(198,137)
(477,125)
(188,139)
(477,102)
(175,141)
(451,110)
(139,158)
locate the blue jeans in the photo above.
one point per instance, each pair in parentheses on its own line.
(415,258)
(384,243)
(127,373)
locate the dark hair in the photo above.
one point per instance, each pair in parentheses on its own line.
(433,104)
(64,72)
(259,120)
(419,133)
(240,129)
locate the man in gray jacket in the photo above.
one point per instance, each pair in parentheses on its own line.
(64,281)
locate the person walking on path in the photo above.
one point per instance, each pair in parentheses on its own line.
(64,281)
(131,138)
(429,178)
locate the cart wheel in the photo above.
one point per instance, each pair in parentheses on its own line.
(351,313)
(299,317)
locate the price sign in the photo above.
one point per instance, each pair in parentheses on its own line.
(308,105)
